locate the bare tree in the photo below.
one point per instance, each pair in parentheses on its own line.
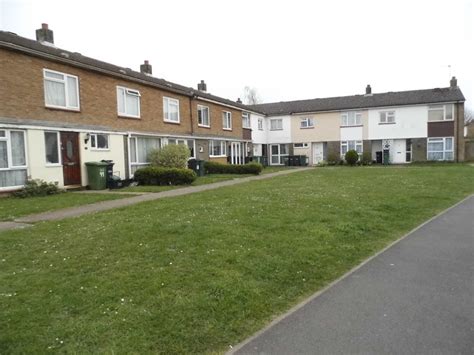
(468,115)
(251,96)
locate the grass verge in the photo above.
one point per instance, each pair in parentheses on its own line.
(11,207)
(197,273)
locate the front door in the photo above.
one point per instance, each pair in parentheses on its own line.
(318,153)
(70,158)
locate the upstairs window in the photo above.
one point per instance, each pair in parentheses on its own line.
(99,141)
(61,90)
(440,112)
(203,116)
(128,102)
(171,110)
(227,120)
(307,123)
(245,120)
(351,118)
(387,117)
(260,124)
(276,125)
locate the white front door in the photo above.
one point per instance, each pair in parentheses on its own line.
(318,153)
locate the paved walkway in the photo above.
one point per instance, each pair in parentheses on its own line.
(26,221)
(417,297)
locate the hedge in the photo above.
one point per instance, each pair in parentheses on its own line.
(153,175)
(219,168)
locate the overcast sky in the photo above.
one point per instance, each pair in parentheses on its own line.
(288,50)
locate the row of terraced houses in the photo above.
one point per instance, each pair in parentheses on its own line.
(60,109)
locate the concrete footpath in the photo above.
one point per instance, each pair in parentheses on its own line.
(416,297)
(26,221)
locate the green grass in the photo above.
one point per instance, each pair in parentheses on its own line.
(11,207)
(197,273)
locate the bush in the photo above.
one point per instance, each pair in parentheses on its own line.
(351,157)
(38,187)
(170,156)
(153,175)
(333,159)
(219,168)
(367,158)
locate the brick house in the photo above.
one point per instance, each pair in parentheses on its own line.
(60,109)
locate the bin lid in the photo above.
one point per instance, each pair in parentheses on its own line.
(96,163)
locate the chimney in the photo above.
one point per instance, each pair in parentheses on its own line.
(239,101)
(44,34)
(453,83)
(202,86)
(145,68)
(368,90)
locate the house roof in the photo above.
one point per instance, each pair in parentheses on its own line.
(399,98)
(13,41)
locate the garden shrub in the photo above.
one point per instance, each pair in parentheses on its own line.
(366,158)
(153,175)
(219,168)
(333,159)
(170,156)
(351,157)
(38,187)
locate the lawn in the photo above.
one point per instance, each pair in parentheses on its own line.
(198,273)
(11,207)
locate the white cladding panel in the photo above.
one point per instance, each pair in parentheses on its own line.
(410,122)
(351,133)
(259,136)
(279,136)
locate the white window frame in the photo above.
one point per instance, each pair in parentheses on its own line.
(227,120)
(245,120)
(223,146)
(307,122)
(346,116)
(356,144)
(277,127)
(100,134)
(182,141)
(279,155)
(128,91)
(444,151)
(58,140)
(387,117)
(260,124)
(440,107)
(200,108)
(300,145)
(63,81)
(11,167)
(167,101)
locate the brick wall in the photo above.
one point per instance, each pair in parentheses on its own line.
(22,96)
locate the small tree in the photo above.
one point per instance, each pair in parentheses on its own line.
(333,158)
(251,96)
(170,156)
(366,158)
(351,157)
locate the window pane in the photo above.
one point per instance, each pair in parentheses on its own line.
(55,93)
(274,149)
(18,148)
(435,146)
(449,156)
(2,134)
(48,74)
(133,150)
(435,115)
(449,112)
(449,144)
(12,177)
(358,118)
(435,155)
(121,100)
(173,112)
(283,149)
(51,147)
(3,155)
(351,145)
(132,103)
(102,141)
(72,92)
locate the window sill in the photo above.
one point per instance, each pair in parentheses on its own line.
(100,150)
(357,125)
(172,122)
(307,127)
(61,108)
(227,129)
(246,127)
(451,120)
(384,123)
(279,129)
(217,156)
(204,126)
(122,115)
(56,165)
